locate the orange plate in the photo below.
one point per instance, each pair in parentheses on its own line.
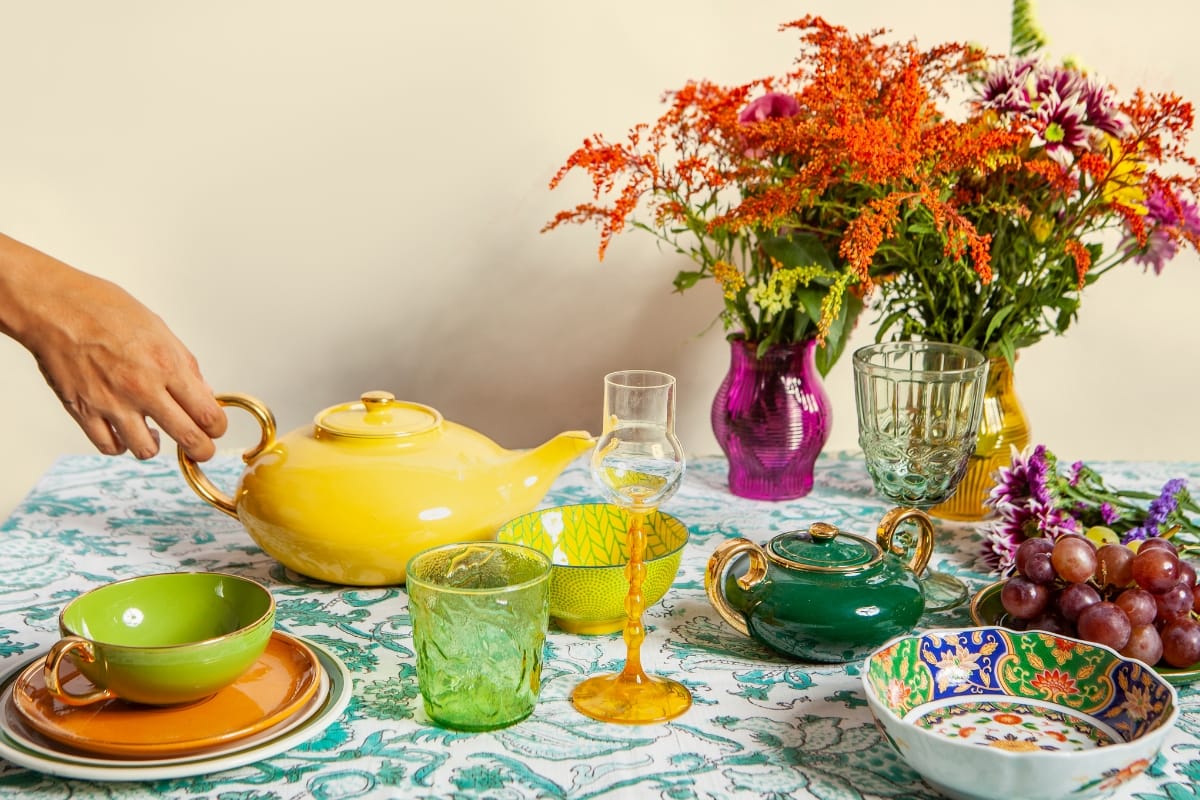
(278,685)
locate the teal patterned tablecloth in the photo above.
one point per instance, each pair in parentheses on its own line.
(762,726)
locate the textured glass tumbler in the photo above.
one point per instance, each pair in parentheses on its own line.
(918,406)
(771,418)
(479,615)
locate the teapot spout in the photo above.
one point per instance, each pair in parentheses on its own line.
(541,465)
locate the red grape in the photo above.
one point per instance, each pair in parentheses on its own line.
(1104,623)
(1115,565)
(1138,605)
(1031,547)
(1174,601)
(1144,644)
(1187,572)
(1023,598)
(1144,603)
(1157,541)
(1181,642)
(1156,569)
(1074,558)
(1039,569)
(1075,598)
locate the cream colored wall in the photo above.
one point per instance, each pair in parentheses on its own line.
(323,198)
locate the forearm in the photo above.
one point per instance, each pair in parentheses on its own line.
(26,276)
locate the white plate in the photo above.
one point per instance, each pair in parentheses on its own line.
(277,740)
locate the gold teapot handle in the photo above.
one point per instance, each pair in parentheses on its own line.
(886,532)
(196,477)
(714,578)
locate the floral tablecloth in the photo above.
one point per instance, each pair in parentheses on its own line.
(761,725)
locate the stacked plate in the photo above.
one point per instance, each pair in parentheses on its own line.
(288,697)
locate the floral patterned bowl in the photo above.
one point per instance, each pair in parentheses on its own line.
(993,713)
(587,546)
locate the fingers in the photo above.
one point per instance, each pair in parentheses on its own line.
(117,421)
(139,438)
(198,402)
(182,425)
(193,418)
(100,434)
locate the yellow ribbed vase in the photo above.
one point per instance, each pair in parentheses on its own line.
(1004,425)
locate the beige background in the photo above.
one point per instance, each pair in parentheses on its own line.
(322,198)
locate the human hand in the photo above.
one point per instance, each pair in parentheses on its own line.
(112,362)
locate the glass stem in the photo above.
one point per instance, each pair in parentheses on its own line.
(635,600)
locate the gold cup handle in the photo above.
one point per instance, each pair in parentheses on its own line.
(886,533)
(714,578)
(196,477)
(58,652)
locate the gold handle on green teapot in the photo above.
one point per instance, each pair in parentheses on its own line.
(886,533)
(200,482)
(714,578)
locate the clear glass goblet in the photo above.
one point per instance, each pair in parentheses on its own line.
(919,407)
(638,464)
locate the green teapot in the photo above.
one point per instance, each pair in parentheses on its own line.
(823,594)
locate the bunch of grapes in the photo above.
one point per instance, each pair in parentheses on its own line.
(1139,603)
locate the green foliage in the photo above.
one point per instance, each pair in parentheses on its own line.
(1027,38)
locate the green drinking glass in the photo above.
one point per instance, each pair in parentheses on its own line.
(479,614)
(919,406)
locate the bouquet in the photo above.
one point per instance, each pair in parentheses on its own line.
(779,190)
(1077,165)
(1033,498)
(981,222)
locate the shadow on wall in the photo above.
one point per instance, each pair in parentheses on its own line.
(517,365)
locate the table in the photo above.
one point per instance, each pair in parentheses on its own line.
(761,726)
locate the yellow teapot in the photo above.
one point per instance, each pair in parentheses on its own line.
(350,499)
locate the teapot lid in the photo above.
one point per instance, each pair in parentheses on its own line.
(824,548)
(377,415)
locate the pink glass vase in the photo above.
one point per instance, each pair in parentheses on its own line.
(771,417)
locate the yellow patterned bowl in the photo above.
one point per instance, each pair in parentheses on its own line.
(587,545)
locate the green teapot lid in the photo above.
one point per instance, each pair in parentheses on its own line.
(824,548)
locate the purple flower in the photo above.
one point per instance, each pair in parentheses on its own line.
(1056,81)
(1026,502)
(1167,501)
(1059,122)
(1102,111)
(1159,511)
(1007,88)
(1024,479)
(772,105)
(1137,534)
(1065,112)
(1167,225)
(1076,472)
(1031,499)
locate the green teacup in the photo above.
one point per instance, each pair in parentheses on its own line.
(162,639)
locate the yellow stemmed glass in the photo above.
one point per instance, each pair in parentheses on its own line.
(638,464)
